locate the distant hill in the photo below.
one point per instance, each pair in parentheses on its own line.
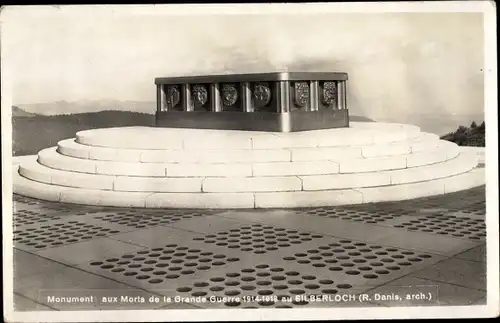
(438,123)
(17,112)
(31,134)
(86,106)
(468,136)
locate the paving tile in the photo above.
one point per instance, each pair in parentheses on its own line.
(22,303)
(245,282)
(457,271)
(444,224)
(414,291)
(70,282)
(153,237)
(317,224)
(426,242)
(207,224)
(474,254)
(86,251)
(25,263)
(62,232)
(161,268)
(251,238)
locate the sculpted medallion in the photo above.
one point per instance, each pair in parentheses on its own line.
(301,93)
(229,94)
(329,93)
(199,94)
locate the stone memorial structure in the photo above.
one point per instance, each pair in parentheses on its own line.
(278,140)
(280,102)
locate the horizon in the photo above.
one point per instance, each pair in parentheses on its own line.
(398,63)
(438,123)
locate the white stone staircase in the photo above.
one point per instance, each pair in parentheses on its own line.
(189,168)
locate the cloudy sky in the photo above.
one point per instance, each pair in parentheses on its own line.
(397,62)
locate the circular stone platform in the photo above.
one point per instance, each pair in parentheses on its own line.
(191,168)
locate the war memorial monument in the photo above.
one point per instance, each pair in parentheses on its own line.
(276,140)
(251,191)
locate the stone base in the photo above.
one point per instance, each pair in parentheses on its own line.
(191,168)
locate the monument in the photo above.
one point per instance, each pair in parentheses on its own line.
(280,102)
(276,140)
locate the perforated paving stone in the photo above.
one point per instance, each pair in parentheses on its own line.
(258,238)
(366,215)
(58,233)
(445,224)
(263,285)
(23,217)
(359,263)
(160,268)
(31,211)
(313,224)
(143,218)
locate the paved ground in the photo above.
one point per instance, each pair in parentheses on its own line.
(426,252)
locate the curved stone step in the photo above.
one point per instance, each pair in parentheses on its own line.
(26,187)
(442,151)
(359,133)
(71,148)
(473,178)
(37,172)
(460,164)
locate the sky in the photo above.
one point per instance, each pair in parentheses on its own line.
(397,62)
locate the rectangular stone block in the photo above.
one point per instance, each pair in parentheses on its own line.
(426,158)
(424,145)
(401,192)
(70,148)
(26,187)
(130,169)
(218,141)
(245,156)
(215,156)
(388,137)
(51,158)
(141,184)
(252,184)
(111,154)
(209,170)
(36,172)
(129,138)
(460,164)
(295,168)
(325,153)
(167,156)
(307,199)
(372,164)
(343,181)
(383,150)
(201,200)
(104,198)
(89,181)
(358,138)
(277,141)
